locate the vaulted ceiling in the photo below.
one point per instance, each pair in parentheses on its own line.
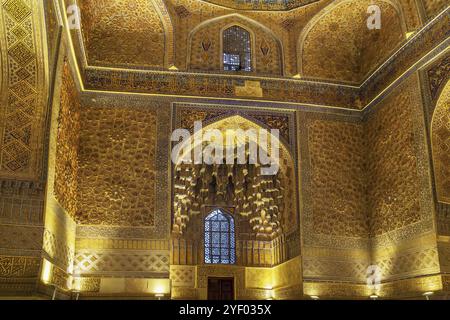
(320,39)
(122,32)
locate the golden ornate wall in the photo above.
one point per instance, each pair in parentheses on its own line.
(441,144)
(87,191)
(117,167)
(25,90)
(23,100)
(138,34)
(206,46)
(68,140)
(399,194)
(360,50)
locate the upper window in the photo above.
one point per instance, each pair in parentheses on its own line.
(237,55)
(219,238)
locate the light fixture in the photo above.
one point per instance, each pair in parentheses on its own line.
(173,68)
(159,296)
(77,295)
(428,294)
(314,297)
(373,297)
(297,76)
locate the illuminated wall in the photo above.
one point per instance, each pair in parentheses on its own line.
(24,92)
(399,191)
(86,181)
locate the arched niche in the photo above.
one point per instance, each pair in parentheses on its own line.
(205,45)
(337,44)
(253,199)
(440,139)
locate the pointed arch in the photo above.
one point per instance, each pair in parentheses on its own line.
(200,185)
(219,236)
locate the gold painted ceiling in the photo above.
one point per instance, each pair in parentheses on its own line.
(122,32)
(262,4)
(323,39)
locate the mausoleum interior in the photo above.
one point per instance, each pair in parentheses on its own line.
(95,203)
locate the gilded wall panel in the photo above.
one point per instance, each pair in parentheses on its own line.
(259,278)
(117,166)
(68,139)
(399,191)
(433,7)
(288,274)
(21,202)
(414,287)
(86,284)
(330,268)
(118,243)
(438,75)
(183,276)
(135,37)
(336,290)
(24,105)
(337,178)
(59,235)
(360,49)
(440,137)
(395,131)
(444,255)
(21,237)
(59,250)
(123,177)
(19,267)
(334,206)
(407,263)
(121,262)
(443,218)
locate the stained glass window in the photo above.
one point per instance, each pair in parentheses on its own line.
(237,55)
(219,238)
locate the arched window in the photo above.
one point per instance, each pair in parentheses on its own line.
(237,55)
(219,238)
